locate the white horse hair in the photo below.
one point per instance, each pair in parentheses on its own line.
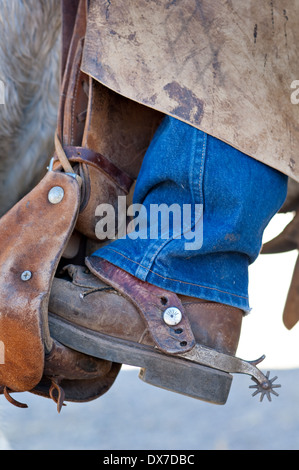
(29,75)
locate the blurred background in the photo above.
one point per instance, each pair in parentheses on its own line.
(134,415)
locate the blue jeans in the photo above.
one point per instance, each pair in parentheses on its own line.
(234,196)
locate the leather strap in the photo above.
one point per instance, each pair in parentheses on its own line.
(151,302)
(76,154)
(73,38)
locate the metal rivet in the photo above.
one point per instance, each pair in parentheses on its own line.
(26,275)
(56,195)
(172,316)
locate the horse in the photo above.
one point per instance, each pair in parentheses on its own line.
(30,43)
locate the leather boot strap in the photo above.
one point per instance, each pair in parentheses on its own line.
(152,303)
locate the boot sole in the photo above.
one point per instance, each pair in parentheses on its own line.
(167,372)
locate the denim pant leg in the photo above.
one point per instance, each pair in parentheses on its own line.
(237,195)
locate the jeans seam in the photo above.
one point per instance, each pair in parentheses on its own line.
(176,280)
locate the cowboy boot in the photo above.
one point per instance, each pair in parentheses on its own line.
(108,313)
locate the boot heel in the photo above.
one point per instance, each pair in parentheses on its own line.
(198,382)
